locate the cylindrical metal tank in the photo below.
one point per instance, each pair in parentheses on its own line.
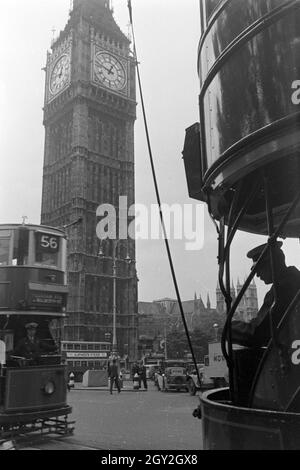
(249,70)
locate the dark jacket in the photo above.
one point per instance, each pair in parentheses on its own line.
(142,372)
(135,370)
(113,371)
(257,332)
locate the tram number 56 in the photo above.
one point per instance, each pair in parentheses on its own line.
(47,243)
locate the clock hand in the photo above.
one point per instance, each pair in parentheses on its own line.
(108,69)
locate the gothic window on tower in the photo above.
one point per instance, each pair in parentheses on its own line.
(105,147)
(113,141)
(95,183)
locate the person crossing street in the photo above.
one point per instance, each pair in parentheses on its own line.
(113,374)
(143,375)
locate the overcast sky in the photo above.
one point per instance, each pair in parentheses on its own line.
(167,35)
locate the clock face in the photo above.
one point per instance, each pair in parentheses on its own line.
(109,71)
(60,74)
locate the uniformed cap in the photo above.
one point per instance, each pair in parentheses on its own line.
(31,325)
(255,253)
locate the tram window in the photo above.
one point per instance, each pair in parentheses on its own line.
(4,251)
(70,346)
(46,249)
(71,364)
(77,363)
(84,363)
(83,347)
(97,365)
(77,347)
(90,364)
(91,347)
(20,250)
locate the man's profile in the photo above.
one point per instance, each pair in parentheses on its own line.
(257,332)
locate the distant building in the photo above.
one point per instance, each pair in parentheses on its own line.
(248,306)
(160,317)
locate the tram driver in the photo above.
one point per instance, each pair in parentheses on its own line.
(257,332)
(31,347)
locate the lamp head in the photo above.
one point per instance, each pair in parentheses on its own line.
(100,253)
(128,259)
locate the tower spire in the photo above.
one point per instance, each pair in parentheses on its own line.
(208,302)
(96,3)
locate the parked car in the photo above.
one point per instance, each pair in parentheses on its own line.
(193,381)
(172,376)
(213,373)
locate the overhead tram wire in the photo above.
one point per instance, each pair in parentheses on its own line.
(158,195)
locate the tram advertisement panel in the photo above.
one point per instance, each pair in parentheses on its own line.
(47,299)
(251,84)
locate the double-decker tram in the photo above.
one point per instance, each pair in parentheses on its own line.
(243,161)
(33,296)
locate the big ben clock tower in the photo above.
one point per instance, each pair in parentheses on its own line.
(89,115)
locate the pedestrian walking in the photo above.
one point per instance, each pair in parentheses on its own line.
(113,374)
(136,378)
(143,375)
(71,383)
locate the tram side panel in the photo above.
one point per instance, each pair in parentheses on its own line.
(34,388)
(32,288)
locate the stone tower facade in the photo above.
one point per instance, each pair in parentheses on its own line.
(89,116)
(249,304)
(220,302)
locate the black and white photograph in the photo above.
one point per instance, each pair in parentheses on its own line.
(150,227)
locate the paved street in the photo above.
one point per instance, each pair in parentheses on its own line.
(130,421)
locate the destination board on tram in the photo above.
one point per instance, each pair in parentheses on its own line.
(46,242)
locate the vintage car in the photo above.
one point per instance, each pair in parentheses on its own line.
(151,370)
(172,376)
(193,381)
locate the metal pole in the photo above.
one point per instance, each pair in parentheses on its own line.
(114,345)
(271,241)
(165,348)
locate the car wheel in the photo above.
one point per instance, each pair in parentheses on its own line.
(192,388)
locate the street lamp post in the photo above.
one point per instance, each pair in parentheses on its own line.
(114,342)
(216,327)
(108,339)
(114,258)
